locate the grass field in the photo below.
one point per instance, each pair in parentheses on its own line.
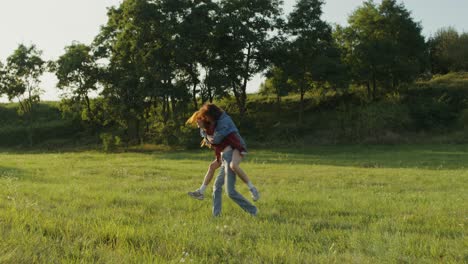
(350,204)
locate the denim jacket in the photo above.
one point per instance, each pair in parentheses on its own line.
(224,127)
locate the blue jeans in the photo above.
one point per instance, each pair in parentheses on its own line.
(226,172)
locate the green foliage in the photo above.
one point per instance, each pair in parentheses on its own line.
(372,122)
(383,46)
(20,81)
(78,74)
(110,143)
(449,51)
(172,134)
(245,31)
(306,56)
(432,113)
(48,125)
(463,119)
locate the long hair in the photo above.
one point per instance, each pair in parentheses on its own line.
(192,121)
(211,111)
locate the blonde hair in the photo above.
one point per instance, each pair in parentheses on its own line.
(192,121)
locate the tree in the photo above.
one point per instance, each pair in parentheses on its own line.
(244,36)
(312,58)
(21,79)
(383,46)
(2,77)
(277,83)
(77,73)
(448,51)
(193,40)
(124,42)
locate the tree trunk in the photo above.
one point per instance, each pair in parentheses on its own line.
(88,106)
(165,109)
(194,94)
(210,94)
(278,104)
(30,130)
(278,101)
(174,109)
(301,105)
(369,93)
(243,94)
(31,118)
(374,87)
(137,131)
(237,96)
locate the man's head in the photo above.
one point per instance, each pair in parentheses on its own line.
(210,112)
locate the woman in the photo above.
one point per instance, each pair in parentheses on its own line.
(231,140)
(230,158)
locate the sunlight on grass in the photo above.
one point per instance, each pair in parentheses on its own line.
(322,204)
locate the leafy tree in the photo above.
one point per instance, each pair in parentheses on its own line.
(21,79)
(2,77)
(277,83)
(312,58)
(124,42)
(77,73)
(243,35)
(448,51)
(194,41)
(383,45)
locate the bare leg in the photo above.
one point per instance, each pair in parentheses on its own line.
(210,173)
(235,166)
(199,193)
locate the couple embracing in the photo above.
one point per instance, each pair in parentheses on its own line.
(221,134)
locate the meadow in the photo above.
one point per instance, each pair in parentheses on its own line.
(325,204)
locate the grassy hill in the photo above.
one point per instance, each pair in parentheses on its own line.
(430,111)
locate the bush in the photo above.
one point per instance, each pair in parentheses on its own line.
(432,112)
(110,142)
(356,123)
(463,119)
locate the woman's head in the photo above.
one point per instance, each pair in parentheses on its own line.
(198,120)
(210,112)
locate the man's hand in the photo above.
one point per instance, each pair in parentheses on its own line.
(210,138)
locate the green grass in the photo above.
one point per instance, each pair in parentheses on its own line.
(350,204)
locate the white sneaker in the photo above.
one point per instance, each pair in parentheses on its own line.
(256,213)
(255,194)
(197,195)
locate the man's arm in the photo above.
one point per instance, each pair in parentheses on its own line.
(223,128)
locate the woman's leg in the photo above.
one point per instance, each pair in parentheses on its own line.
(235,166)
(210,173)
(199,193)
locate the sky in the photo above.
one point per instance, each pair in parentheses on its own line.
(53,24)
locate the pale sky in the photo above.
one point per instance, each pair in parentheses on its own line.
(54,24)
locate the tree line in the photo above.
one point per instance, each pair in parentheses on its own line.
(155,60)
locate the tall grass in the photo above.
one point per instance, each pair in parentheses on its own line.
(356,204)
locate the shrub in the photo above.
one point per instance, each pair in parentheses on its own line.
(110,142)
(463,119)
(356,123)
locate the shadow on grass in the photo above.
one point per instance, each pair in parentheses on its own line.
(432,157)
(10,173)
